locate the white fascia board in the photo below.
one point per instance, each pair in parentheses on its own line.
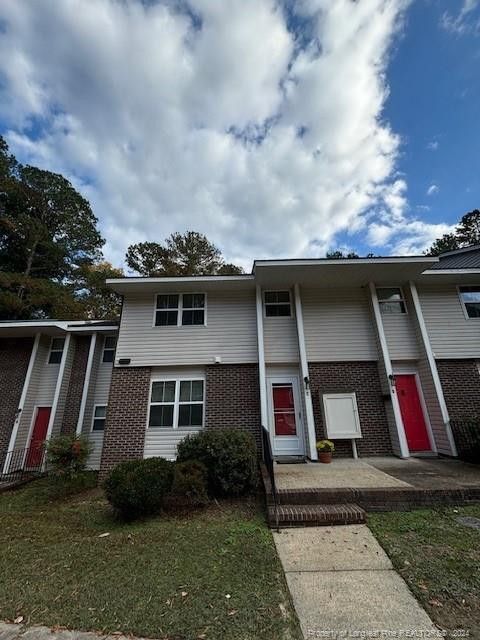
(349,261)
(177,280)
(450,272)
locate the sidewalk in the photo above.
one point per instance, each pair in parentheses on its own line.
(342,583)
(22,632)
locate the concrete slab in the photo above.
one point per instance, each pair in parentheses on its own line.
(330,549)
(342,473)
(9,631)
(355,601)
(429,473)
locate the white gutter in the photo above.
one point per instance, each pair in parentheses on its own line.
(313,455)
(387,363)
(21,403)
(433,366)
(261,359)
(86,383)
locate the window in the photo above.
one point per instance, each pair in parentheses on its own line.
(176,403)
(109,345)
(180,309)
(391,300)
(56,350)
(99,416)
(277,304)
(470,297)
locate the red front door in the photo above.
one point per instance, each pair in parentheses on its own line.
(412,413)
(34,453)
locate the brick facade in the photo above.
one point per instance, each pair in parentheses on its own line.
(125,427)
(14,359)
(461,387)
(77,381)
(363,379)
(233,398)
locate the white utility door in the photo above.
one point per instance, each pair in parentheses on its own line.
(285,416)
(341,415)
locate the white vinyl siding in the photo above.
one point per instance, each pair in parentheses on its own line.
(160,441)
(452,335)
(231,333)
(338,325)
(400,336)
(280,340)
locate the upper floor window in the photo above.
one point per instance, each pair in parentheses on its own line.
(109,345)
(56,350)
(391,300)
(177,309)
(99,416)
(176,403)
(277,304)
(470,297)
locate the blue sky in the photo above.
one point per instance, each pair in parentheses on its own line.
(277,128)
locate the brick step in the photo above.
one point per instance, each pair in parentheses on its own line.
(314,515)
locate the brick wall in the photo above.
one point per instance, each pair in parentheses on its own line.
(363,379)
(75,388)
(233,398)
(461,387)
(124,436)
(14,359)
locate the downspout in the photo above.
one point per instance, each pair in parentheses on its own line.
(387,363)
(313,455)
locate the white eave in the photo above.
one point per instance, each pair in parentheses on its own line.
(194,283)
(24,328)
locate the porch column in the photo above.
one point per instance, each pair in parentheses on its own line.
(313,455)
(432,365)
(86,383)
(261,359)
(58,387)
(387,363)
(21,404)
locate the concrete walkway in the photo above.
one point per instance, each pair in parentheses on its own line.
(22,632)
(342,583)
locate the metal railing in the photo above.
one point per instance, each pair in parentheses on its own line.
(466,434)
(269,465)
(23,463)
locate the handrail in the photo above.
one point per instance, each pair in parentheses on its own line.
(269,465)
(21,463)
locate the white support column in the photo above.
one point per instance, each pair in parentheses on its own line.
(313,455)
(261,359)
(23,397)
(402,438)
(58,386)
(86,383)
(432,365)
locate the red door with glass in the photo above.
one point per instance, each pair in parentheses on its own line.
(40,428)
(285,418)
(412,413)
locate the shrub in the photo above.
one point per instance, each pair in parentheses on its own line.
(68,454)
(137,488)
(190,482)
(229,456)
(325,446)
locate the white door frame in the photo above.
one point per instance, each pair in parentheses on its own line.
(409,371)
(292,445)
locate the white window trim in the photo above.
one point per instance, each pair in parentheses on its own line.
(104,348)
(179,310)
(96,418)
(176,402)
(402,299)
(277,303)
(464,308)
(55,350)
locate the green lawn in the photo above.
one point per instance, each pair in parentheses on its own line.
(440,560)
(214,574)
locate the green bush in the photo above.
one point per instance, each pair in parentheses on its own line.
(190,482)
(137,488)
(68,454)
(229,456)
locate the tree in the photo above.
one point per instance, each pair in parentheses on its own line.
(188,254)
(467,233)
(339,255)
(97,301)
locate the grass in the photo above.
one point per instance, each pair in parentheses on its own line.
(439,558)
(214,574)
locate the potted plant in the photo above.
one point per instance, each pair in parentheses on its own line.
(325,449)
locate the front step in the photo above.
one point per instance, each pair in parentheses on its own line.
(315,515)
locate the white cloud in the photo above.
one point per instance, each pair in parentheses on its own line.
(433,189)
(433,145)
(466,21)
(219,119)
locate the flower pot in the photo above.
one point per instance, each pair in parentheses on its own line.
(325,456)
